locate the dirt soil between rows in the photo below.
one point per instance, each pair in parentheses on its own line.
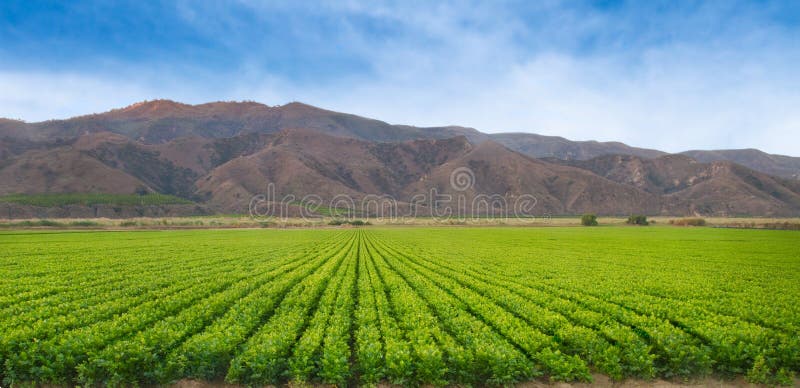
(599,381)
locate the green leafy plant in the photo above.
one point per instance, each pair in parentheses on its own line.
(408,306)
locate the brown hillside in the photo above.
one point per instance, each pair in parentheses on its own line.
(225,152)
(539,146)
(302,162)
(778,165)
(63,170)
(691,187)
(162,121)
(557,189)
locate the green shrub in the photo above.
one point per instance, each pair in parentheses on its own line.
(84,223)
(637,220)
(37,223)
(128,223)
(336,222)
(782,225)
(589,220)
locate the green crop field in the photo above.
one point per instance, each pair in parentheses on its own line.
(402,305)
(91,199)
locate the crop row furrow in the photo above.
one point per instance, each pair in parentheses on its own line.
(676,352)
(564,319)
(566,336)
(207,354)
(86,300)
(55,359)
(263,357)
(398,364)
(736,344)
(32,286)
(303,362)
(334,361)
(434,352)
(18,336)
(749,305)
(143,357)
(495,360)
(543,349)
(369,346)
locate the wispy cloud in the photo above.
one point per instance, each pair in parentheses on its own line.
(672,75)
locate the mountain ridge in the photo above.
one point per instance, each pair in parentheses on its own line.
(158,121)
(223,153)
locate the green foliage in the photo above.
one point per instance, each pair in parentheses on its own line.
(783,225)
(337,222)
(91,199)
(637,220)
(589,220)
(409,306)
(34,223)
(84,223)
(763,373)
(760,373)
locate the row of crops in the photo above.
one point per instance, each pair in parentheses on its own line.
(405,306)
(92,199)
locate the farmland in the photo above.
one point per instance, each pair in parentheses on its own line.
(405,305)
(90,199)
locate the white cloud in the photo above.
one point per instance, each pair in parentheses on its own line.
(37,96)
(663,104)
(481,67)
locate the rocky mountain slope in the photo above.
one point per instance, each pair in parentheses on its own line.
(161,121)
(221,154)
(687,186)
(540,146)
(778,165)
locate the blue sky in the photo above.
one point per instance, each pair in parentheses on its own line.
(673,75)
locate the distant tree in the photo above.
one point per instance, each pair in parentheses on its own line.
(638,220)
(589,220)
(337,222)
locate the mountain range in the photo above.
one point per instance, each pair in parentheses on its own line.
(221,154)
